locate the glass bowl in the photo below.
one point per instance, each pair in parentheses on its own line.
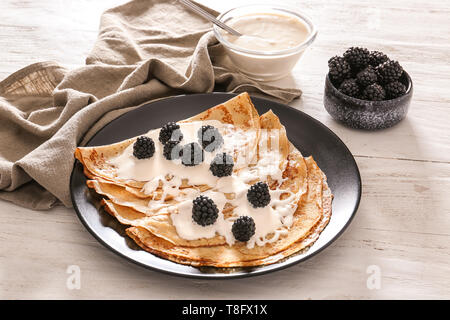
(269,65)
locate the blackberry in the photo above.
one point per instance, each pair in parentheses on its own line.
(172,150)
(243,228)
(222,165)
(192,154)
(204,211)
(366,77)
(376,58)
(144,147)
(258,195)
(374,92)
(350,88)
(389,71)
(170,131)
(394,89)
(209,138)
(339,69)
(357,57)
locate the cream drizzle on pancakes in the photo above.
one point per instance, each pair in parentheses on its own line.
(271,221)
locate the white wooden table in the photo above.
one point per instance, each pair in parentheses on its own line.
(402,228)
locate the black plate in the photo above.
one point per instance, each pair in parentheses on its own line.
(309,135)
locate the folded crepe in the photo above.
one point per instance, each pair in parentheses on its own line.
(153,199)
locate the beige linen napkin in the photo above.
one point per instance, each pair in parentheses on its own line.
(146,50)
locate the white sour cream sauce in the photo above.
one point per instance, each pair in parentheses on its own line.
(271,221)
(267,32)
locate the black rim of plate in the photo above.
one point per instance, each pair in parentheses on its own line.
(212,273)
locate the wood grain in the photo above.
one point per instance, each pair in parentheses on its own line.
(403,222)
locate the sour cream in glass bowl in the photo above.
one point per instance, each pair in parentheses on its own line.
(274,38)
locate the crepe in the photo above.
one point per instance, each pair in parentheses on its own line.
(150,215)
(239,112)
(315,208)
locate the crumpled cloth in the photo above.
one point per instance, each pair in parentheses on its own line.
(145,50)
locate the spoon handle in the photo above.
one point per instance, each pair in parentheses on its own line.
(208,16)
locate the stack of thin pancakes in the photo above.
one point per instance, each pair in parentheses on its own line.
(150,226)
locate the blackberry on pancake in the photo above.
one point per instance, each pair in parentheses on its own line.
(143,147)
(258,195)
(204,211)
(243,228)
(170,131)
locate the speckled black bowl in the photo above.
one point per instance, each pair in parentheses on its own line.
(363,114)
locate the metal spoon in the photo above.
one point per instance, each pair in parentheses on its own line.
(208,16)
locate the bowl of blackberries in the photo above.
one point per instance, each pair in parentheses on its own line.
(366,89)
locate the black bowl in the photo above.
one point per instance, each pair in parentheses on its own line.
(363,114)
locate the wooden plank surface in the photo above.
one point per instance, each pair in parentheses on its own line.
(402,226)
